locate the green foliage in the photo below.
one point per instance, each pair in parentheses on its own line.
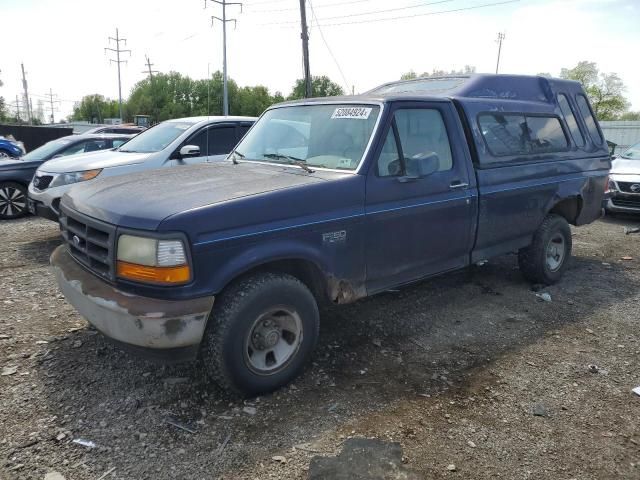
(173,95)
(411,74)
(95,108)
(321,86)
(605,90)
(630,116)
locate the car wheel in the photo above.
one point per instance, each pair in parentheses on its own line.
(4,154)
(261,333)
(13,200)
(545,260)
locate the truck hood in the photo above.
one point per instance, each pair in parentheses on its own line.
(142,200)
(18,164)
(621,166)
(90,161)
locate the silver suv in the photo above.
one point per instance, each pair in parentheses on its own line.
(624,182)
(174,142)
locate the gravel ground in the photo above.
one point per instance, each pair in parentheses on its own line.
(471,373)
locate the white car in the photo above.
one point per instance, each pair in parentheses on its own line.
(174,142)
(624,182)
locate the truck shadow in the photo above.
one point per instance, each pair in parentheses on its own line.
(426,339)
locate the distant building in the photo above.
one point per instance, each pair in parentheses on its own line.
(622,133)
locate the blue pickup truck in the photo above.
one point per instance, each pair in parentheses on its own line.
(330,200)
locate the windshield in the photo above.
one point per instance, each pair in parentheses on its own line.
(633,153)
(324,136)
(46,150)
(156,138)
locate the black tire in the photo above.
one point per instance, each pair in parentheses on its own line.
(534,260)
(229,343)
(13,200)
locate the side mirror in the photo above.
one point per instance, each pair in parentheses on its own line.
(189,151)
(423,165)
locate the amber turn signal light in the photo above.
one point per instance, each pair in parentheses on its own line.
(158,275)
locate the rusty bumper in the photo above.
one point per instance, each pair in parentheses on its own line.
(138,321)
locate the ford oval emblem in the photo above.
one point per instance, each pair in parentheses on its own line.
(76,240)
(635,188)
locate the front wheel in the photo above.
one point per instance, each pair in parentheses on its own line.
(545,260)
(13,200)
(261,333)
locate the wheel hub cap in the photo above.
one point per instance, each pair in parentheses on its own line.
(12,201)
(555,252)
(274,340)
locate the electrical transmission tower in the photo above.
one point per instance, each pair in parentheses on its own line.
(51,102)
(148,64)
(117,61)
(499,40)
(224,20)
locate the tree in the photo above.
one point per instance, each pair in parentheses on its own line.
(3,106)
(605,90)
(95,108)
(321,86)
(630,116)
(411,74)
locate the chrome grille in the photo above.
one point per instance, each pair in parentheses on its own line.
(626,201)
(90,242)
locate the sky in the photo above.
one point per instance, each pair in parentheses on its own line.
(61,42)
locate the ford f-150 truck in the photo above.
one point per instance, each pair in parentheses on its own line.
(330,200)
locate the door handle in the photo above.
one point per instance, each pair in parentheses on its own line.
(458,184)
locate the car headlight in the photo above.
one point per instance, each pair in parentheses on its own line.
(74,177)
(150,260)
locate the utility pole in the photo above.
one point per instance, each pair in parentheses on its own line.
(17,108)
(305,49)
(51,95)
(224,20)
(500,39)
(149,65)
(117,61)
(26,95)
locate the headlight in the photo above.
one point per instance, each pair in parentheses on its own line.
(160,261)
(74,177)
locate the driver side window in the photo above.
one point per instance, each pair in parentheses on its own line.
(421,132)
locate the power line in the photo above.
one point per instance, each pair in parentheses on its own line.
(118,51)
(416,15)
(407,7)
(313,14)
(288,9)
(224,20)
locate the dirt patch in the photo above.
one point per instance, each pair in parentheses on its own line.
(470,369)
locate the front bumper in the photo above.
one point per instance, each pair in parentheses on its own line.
(146,325)
(46,203)
(611,205)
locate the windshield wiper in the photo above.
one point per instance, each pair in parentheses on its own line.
(128,151)
(292,160)
(233,156)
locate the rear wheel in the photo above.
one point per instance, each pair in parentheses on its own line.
(262,331)
(545,260)
(13,200)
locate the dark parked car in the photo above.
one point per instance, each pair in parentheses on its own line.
(15,174)
(327,201)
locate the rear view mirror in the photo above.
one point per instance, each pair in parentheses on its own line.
(189,151)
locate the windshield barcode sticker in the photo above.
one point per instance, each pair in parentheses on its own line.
(352,112)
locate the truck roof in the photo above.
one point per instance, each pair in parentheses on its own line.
(522,88)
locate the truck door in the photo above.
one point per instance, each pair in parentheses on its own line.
(418,226)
